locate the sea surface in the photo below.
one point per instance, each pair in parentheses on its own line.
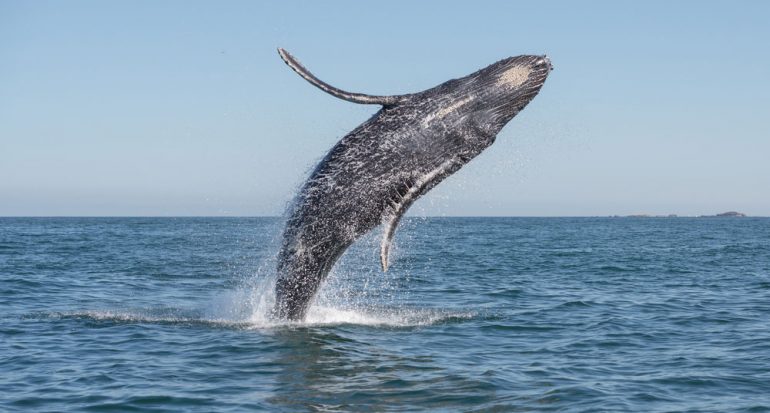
(475,314)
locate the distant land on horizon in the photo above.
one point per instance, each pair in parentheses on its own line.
(728,214)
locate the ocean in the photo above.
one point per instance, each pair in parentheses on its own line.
(474,314)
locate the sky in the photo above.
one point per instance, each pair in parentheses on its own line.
(179,108)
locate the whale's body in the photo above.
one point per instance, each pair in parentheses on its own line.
(377,171)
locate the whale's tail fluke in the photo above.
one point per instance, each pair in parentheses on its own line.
(295,65)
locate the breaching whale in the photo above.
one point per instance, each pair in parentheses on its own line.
(377,171)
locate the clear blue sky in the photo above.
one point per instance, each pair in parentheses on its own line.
(184,108)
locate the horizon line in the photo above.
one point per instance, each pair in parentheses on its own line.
(409,216)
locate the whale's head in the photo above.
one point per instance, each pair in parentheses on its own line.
(492,96)
(506,87)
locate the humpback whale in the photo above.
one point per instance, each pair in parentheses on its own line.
(376,172)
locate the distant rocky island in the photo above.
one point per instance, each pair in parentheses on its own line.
(728,214)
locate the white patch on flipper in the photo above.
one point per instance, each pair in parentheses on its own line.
(514,77)
(399,209)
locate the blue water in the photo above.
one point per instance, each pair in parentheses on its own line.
(475,314)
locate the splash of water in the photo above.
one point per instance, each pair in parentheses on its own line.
(341,301)
(251,306)
(318,316)
(355,293)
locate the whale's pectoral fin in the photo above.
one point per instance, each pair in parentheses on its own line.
(405,195)
(387,239)
(295,65)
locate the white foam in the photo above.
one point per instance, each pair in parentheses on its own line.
(251,307)
(317,316)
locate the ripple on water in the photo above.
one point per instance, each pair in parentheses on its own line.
(498,314)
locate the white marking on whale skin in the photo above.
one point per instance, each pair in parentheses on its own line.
(514,77)
(400,208)
(447,110)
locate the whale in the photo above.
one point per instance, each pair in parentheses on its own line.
(377,171)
